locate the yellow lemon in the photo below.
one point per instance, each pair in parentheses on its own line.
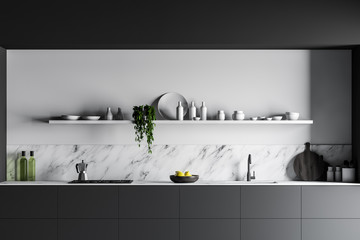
(179,174)
(187,174)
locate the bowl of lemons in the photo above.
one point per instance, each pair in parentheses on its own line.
(187,177)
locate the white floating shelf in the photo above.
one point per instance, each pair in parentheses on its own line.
(185,122)
(90,122)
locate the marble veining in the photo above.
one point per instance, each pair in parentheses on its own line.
(211,162)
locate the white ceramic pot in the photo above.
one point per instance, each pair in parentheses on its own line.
(292,115)
(238,115)
(221,115)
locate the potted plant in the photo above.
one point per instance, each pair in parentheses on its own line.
(144,117)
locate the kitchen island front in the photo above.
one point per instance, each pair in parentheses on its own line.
(164,210)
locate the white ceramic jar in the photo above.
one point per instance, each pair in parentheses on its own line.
(221,115)
(238,115)
(109,115)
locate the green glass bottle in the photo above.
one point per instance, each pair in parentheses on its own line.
(31,166)
(23,167)
(17,165)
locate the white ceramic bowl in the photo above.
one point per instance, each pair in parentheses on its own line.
(277,118)
(70,117)
(254,118)
(91,118)
(269,118)
(292,115)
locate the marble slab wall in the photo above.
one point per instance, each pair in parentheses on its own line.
(211,162)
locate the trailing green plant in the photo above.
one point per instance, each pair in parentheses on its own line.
(144,117)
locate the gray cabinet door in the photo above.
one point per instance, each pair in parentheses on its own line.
(88,202)
(330,202)
(209,229)
(148,202)
(89,229)
(20,229)
(271,229)
(28,202)
(159,229)
(270,202)
(210,202)
(331,229)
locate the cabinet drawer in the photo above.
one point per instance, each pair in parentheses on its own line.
(159,229)
(209,229)
(270,229)
(88,202)
(89,229)
(331,229)
(270,202)
(210,202)
(148,202)
(20,229)
(28,202)
(331,202)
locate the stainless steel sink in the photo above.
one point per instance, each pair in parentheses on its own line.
(260,182)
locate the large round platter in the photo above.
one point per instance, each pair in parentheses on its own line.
(168,103)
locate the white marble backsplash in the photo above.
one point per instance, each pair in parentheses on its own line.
(211,162)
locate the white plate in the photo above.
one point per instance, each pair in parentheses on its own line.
(93,118)
(70,117)
(168,103)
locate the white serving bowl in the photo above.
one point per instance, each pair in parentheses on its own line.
(277,118)
(292,115)
(91,118)
(254,118)
(70,117)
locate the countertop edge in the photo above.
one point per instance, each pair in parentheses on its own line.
(169,183)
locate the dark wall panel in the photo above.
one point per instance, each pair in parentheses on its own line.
(2,114)
(356,107)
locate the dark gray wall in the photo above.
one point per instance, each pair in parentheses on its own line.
(356,106)
(180,24)
(2,114)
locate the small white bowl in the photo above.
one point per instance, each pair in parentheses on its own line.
(292,115)
(70,117)
(196,118)
(91,118)
(269,118)
(254,118)
(277,118)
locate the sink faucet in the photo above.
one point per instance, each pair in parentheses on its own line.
(249,177)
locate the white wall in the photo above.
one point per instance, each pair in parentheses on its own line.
(46,83)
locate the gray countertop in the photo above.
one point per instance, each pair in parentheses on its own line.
(198,183)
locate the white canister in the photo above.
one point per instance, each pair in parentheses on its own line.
(238,115)
(221,115)
(348,175)
(192,111)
